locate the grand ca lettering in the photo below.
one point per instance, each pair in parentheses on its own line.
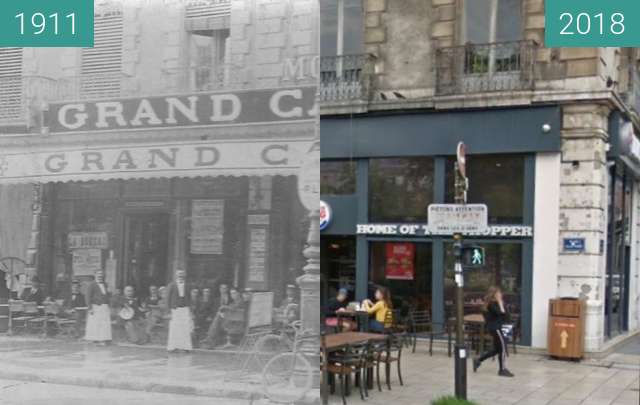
(155,159)
(259,106)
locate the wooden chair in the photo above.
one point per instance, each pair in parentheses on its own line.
(18,317)
(37,320)
(421,326)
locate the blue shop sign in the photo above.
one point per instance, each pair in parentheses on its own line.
(573,244)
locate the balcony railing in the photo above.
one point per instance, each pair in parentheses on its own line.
(19,94)
(478,68)
(202,78)
(346,78)
(95,86)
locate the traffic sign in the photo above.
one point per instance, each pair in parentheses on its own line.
(473,256)
(461,155)
(450,219)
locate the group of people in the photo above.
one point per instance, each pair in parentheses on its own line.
(493,309)
(194,316)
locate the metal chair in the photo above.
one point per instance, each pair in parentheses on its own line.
(421,325)
(18,317)
(352,360)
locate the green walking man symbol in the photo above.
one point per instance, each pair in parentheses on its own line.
(477,257)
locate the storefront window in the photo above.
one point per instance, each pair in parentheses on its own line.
(503,268)
(337,177)
(338,265)
(405,268)
(400,189)
(494,180)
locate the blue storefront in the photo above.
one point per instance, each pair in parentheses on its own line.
(380,172)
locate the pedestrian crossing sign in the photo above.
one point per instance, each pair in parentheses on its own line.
(473,256)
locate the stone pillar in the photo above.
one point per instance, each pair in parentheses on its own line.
(309,282)
(583,212)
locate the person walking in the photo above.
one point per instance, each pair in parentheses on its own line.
(494,316)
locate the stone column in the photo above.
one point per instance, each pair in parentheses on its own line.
(583,212)
(309,282)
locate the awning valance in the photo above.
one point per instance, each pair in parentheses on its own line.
(153,160)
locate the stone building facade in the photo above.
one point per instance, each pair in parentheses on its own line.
(420,57)
(154,54)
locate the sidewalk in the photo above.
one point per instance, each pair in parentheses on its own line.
(538,381)
(200,373)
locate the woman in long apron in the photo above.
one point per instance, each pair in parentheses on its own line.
(98,327)
(181,321)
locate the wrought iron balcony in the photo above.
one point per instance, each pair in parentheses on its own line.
(201,78)
(478,68)
(346,78)
(20,95)
(95,86)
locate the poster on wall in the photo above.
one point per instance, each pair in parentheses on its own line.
(400,261)
(86,240)
(257,257)
(207,227)
(85,262)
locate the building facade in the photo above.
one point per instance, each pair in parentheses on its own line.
(550,137)
(176,142)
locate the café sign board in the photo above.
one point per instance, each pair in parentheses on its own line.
(194,110)
(449,219)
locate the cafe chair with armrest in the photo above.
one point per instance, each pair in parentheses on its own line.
(420,325)
(351,360)
(386,353)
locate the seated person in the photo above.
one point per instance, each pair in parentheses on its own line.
(115,303)
(205,311)
(132,313)
(75,306)
(35,293)
(379,309)
(153,297)
(157,313)
(287,312)
(334,305)
(228,317)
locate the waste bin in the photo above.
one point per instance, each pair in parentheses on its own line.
(566,328)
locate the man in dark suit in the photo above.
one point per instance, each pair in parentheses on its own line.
(35,293)
(76,300)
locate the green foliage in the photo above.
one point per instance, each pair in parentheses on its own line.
(451,400)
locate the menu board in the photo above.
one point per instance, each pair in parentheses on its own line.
(207,227)
(257,255)
(260,309)
(85,262)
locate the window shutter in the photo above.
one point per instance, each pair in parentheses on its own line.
(203,15)
(101,70)
(10,84)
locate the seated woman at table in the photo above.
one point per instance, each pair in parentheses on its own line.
(335,305)
(379,309)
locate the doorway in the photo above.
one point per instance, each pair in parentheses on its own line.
(146,247)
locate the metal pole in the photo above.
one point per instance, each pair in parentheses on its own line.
(460,347)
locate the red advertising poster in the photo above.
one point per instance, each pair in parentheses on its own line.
(400,261)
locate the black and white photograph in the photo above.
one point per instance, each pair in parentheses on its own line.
(159,218)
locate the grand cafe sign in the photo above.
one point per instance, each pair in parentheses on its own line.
(248,107)
(275,155)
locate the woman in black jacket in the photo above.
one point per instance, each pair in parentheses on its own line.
(494,317)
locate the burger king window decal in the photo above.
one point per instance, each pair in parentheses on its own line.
(325,215)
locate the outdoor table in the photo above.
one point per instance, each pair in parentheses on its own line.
(339,341)
(361,318)
(478,321)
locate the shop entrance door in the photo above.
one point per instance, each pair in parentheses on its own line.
(146,250)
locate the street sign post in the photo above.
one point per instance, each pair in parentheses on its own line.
(461,218)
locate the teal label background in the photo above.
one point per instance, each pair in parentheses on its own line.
(10,25)
(553,25)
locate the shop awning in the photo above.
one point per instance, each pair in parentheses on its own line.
(47,163)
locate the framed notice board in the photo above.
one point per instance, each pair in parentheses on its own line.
(260,309)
